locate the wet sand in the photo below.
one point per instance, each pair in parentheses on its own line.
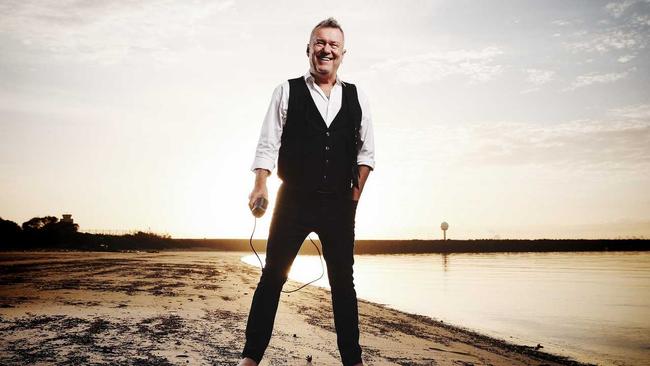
(190,308)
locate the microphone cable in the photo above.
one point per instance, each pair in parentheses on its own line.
(250,241)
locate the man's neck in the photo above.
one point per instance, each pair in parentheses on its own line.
(326,81)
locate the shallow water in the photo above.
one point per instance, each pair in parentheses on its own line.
(593,307)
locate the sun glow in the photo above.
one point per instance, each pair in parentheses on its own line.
(305,268)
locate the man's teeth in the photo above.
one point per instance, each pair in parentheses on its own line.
(325,58)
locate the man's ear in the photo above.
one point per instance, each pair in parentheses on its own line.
(307,51)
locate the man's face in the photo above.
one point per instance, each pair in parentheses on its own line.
(325,51)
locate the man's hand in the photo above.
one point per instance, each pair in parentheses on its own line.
(260,189)
(364,171)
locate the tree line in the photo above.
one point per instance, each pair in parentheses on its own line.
(49,232)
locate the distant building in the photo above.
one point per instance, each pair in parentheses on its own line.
(67,218)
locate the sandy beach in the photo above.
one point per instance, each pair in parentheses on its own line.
(180,308)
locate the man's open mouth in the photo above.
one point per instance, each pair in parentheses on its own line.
(325,58)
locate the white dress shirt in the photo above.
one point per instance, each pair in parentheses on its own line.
(268,144)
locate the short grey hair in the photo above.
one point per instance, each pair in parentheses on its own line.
(327,23)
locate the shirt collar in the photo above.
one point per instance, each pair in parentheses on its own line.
(310,78)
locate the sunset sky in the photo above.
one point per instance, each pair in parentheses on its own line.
(511,119)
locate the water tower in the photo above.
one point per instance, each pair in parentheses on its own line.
(444,226)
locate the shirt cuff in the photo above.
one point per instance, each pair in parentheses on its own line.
(369,163)
(264,163)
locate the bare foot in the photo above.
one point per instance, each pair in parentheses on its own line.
(246,361)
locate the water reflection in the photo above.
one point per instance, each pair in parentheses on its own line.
(591,306)
(445,259)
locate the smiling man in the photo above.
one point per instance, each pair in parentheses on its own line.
(319,129)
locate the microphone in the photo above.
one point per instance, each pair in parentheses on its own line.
(259,207)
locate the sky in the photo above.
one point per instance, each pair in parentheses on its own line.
(506,119)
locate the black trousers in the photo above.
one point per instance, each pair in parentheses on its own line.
(297,214)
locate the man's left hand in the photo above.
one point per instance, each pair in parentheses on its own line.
(356,194)
(364,171)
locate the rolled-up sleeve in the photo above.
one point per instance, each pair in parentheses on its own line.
(268,144)
(366,154)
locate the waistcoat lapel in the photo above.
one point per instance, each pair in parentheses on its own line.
(312,115)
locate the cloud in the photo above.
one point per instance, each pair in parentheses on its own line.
(634,112)
(477,65)
(107,31)
(626,58)
(617,142)
(595,78)
(561,23)
(539,77)
(620,141)
(641,20)
(626,29)
(616,9)
(608,40)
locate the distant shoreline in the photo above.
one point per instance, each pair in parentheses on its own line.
(441,246)
(152,242)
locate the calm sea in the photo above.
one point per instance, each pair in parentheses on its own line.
(593,307)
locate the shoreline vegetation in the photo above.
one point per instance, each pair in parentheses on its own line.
(48,233)
(187,307)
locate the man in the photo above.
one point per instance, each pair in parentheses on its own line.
(320,130)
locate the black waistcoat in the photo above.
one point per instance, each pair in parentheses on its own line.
(312,156)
